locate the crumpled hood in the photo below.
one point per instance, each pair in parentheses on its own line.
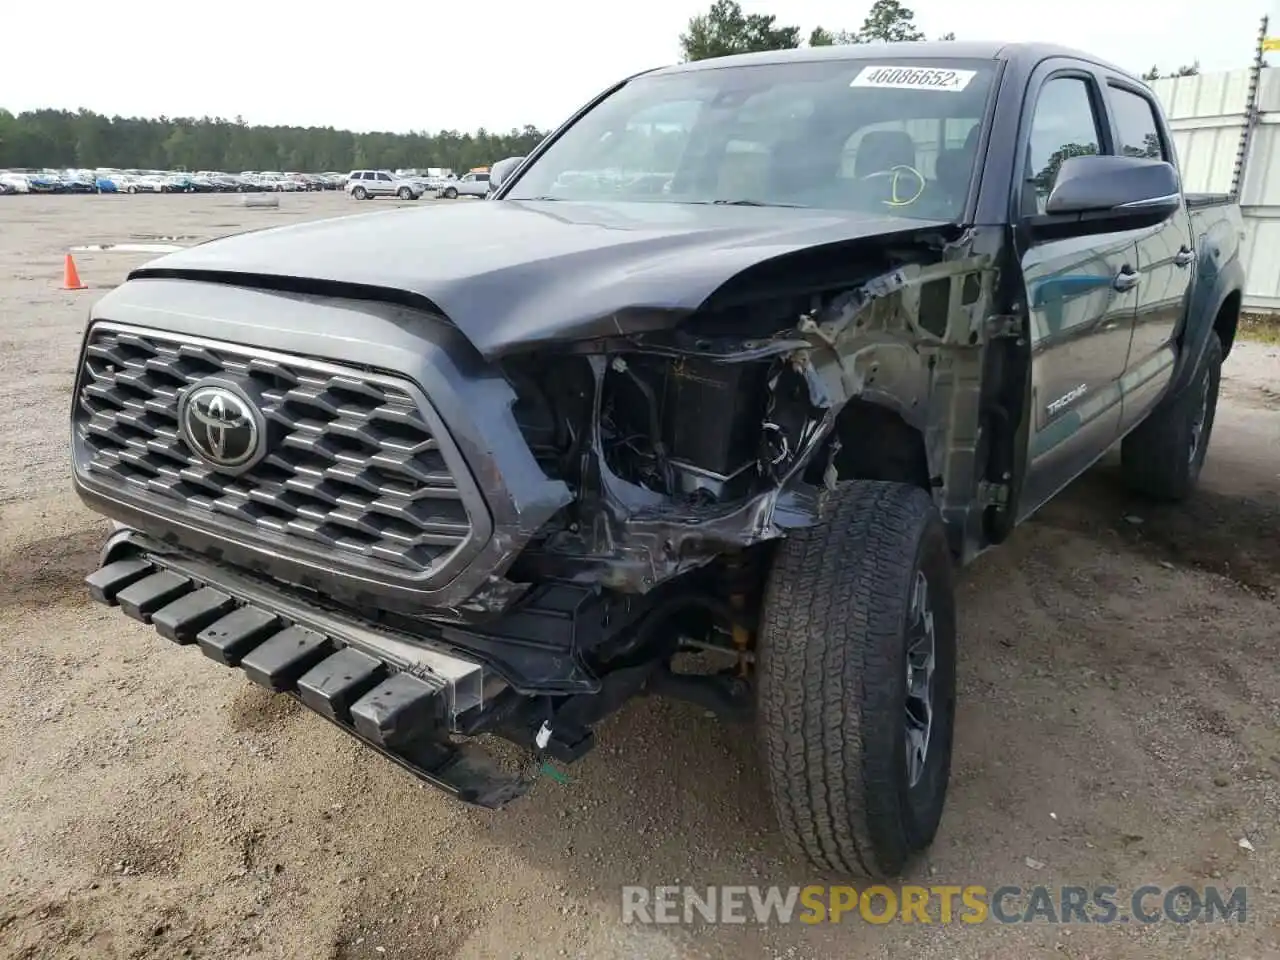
(511,274)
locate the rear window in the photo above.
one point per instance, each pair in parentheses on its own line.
(1139,134)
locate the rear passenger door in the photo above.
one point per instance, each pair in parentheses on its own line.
(1165,260)
(1080,293)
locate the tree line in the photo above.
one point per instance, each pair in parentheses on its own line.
(82,138)
(725,30)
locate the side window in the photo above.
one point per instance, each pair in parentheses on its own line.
(1064,126)
(384,176)
(1136,127)
(482,177)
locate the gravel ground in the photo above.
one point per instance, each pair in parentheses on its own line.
(1119,723)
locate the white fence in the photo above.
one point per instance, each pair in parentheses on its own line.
(1208,114)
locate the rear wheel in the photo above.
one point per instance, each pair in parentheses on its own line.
(1162,458)
(360,193)
(857,679)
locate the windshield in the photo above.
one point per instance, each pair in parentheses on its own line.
(874,136)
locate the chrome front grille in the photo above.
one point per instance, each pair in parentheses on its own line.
(353,471)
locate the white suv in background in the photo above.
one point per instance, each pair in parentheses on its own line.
(366,184)
(472,185)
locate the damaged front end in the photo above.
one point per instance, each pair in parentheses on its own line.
(688,444)
(621,489)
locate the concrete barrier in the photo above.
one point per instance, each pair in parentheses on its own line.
(260,199)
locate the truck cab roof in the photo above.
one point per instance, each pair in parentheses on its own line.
(1026,54)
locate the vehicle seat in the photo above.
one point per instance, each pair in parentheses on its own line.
(883,150)
(955,166)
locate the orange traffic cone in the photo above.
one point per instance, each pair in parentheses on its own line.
(70,278)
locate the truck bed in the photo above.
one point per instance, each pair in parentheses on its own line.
(1198,201)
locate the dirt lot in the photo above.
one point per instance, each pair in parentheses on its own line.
(1119,723)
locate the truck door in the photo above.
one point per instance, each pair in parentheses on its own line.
(1165,262)
(1081,297)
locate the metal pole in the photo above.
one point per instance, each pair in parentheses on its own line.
(1250,111)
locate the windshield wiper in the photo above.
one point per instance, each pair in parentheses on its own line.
(751,203)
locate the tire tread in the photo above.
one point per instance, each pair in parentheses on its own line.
(832,615)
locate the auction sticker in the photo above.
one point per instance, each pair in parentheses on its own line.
(914,78)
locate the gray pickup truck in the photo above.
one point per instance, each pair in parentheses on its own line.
(709,401)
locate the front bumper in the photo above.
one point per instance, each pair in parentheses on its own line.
(403,699)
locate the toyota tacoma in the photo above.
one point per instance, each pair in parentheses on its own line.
(711,399)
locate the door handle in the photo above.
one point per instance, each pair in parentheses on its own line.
(1184,257)
(1125,280)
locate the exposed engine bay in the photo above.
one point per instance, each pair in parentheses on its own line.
(692,430)
(720,434)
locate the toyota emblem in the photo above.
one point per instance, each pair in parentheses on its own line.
(221,426)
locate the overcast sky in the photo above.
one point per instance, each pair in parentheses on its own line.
(390,65)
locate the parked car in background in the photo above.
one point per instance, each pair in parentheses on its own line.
(470,185)
(420,180)
(367,184)
(282,181)
(411,184)
(44,183)
(79,183)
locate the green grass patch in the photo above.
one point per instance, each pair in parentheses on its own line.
(1260,327)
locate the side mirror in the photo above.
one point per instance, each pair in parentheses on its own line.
(501,171)
(1127,191)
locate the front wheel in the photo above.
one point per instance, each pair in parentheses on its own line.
(404,193)
(856,685)
(450,193)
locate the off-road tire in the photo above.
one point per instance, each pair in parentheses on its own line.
(832,682)
(1161,459)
